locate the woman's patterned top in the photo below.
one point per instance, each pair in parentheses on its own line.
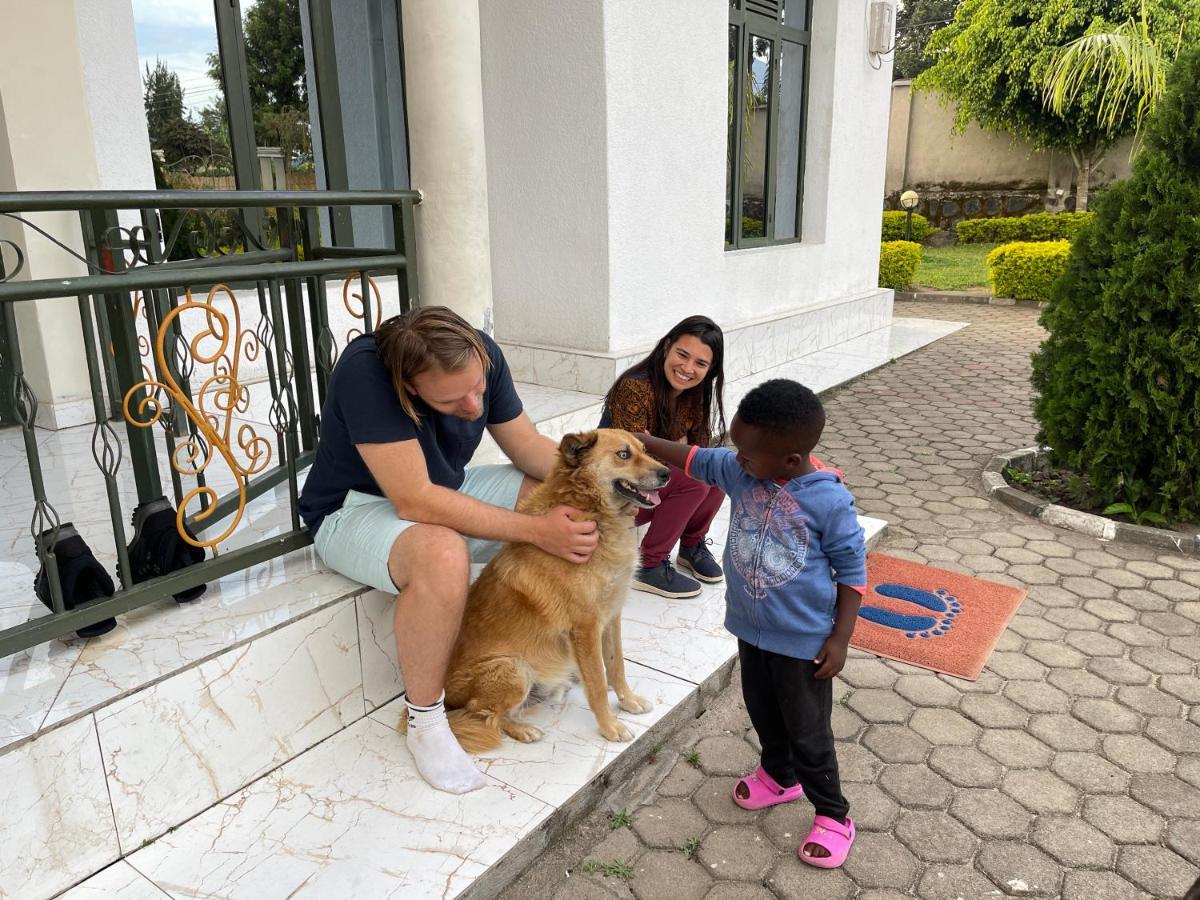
(633,409)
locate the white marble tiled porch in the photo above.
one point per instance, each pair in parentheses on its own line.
(258,722)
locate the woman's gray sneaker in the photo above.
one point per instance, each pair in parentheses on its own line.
(700,562)
(665,581)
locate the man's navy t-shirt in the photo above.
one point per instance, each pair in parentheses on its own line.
(361,407)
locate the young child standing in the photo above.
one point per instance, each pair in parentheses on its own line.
(795,566)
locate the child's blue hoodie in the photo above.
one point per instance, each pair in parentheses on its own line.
(789,546)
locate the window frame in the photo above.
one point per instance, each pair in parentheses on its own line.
(754,22)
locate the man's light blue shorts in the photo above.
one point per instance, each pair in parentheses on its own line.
(356,540)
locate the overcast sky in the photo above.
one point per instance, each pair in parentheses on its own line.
(182,33)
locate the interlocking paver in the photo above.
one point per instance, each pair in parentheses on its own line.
(668,875)
(1020,869)
(1015,749)
(990,814)
(1074,842)
(668,823)
(1157,870)
(1070,767)
(935,836)
(1084,885)
(1167,794)
(896,744)
(1091,773)
(1135,754)
(739,853)
(1040,791)
(965,767)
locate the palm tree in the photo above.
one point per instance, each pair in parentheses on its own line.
(1128,64)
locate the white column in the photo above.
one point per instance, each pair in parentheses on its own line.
(46,144)
(448,160)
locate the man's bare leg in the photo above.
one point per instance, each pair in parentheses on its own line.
(432,567)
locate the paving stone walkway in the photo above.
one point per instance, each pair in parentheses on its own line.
(1070,769)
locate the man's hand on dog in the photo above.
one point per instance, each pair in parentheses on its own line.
(559,534)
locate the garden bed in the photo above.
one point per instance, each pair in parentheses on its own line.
(1025,481)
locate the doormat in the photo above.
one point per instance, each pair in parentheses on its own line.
(932,618)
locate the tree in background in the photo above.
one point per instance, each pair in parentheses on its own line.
(275,70)
(916,21)
(1128,61)
(1119,374)
(993,60)
(171,131)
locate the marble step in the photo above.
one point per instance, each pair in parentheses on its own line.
(140,738)
(284,745)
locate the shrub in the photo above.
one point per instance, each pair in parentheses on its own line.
(1119,374)
(898,261)
(894,226)
(1033,227)
(1027,271)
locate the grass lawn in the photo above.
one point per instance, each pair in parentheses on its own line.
(954,268)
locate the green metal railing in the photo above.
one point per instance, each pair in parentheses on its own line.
(190,244)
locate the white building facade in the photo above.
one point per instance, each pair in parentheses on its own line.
(574,160)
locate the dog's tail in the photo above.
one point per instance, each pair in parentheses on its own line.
(476,732)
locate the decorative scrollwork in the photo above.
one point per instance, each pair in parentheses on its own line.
(7,273)
(25,404)
(45,521)
(106,449)
(360,312)
(211,415)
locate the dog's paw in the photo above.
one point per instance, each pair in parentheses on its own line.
(523,732)
(634,704)
(617,732)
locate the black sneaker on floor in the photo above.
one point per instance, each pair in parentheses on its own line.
(157,549)
(665,581)
(80,576)
(700,562)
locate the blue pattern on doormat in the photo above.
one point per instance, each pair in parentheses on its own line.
(942,603)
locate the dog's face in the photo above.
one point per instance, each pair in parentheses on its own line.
(618,462)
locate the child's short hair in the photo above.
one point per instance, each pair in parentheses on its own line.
(782,405)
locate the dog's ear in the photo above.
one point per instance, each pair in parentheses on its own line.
(574,447)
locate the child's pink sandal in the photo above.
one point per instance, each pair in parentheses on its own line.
(831,834)
(761,791)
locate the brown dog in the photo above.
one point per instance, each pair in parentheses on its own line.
(532,618)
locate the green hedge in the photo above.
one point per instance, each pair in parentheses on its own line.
(894,225)
(898,261)
(1027,270)
(1118,377)
(1034,227)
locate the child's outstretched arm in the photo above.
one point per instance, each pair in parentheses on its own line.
(671,452)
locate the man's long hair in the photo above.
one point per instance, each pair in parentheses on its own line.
(421,339)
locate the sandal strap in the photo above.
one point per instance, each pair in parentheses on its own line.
(828,824)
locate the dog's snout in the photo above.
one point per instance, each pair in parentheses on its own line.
(664,475)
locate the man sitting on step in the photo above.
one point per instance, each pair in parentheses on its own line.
(391,502)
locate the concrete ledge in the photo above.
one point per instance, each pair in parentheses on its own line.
(1103,528)
(981,299)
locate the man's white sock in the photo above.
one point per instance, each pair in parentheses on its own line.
(440,759)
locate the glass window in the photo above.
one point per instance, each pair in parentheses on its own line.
(768,59)
(731,146)
(756,141)
(791,127)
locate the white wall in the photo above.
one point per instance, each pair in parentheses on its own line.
(543,102)
(613,117)
(113,86)
(46,144)
(667,180)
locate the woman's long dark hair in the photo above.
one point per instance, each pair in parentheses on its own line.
(711,388)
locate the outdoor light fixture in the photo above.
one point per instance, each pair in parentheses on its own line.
(881,27)
(908,202)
